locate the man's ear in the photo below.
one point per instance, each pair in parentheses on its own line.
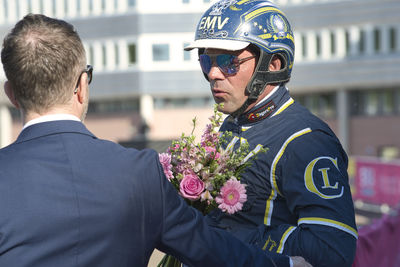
(10,94)
(82,89)
(275,64)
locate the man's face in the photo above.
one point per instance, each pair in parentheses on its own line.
(229,89)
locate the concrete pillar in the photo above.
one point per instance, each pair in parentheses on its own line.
(340,43)
(299,47)
(110,5)
(343,117)
(96,7)
(326,44)
(311,46)
(47,8)
(354,40)
(122,6)
(146,113)
(147,108)
(5,126)
(110,55)
(35,6)
(98,56)
(123,54)
(11,11)
(22,8)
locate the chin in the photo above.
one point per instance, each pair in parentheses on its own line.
(224,110)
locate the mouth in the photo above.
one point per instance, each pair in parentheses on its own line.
(218,93)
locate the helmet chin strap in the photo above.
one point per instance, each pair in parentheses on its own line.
(261,77)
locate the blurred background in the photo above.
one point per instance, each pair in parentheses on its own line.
(146,90)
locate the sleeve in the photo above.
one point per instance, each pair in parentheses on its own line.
(186,235)
(312,179)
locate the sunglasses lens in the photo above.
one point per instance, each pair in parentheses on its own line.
(226,63)
(90,73)
(205,63)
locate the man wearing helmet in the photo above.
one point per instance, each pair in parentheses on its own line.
(299,200)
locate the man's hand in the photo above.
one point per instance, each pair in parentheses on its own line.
(300,262)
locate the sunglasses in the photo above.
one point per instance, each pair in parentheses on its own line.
(228,64)
(89,72)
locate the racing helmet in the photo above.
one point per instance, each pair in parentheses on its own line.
(236,24)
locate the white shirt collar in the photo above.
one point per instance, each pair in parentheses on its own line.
(52,117)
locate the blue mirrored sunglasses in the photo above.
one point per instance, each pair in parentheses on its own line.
(228,64)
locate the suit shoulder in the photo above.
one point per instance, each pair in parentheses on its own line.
(116,149)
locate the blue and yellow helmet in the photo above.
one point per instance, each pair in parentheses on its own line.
(235,24)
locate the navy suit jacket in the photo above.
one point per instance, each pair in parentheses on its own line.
(70,199)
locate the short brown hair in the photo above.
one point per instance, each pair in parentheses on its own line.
(42,58)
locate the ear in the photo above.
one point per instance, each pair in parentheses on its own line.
(82,89)
(275,64)
(10,94)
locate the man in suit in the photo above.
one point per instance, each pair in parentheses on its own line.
(70,199)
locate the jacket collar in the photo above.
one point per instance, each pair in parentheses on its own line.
(52,127)
(266,108)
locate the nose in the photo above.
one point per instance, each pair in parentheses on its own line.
(215,73)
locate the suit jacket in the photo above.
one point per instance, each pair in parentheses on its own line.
(70,199)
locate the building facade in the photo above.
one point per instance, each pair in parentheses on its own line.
(347,67)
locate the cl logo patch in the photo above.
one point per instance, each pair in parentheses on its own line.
(320,179)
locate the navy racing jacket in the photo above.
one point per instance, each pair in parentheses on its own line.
(299,199)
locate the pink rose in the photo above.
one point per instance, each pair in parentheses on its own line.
(191,187)
(211,152)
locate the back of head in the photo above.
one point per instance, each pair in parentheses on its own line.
(42,59)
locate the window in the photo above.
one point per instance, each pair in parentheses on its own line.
(41,6)
(304,45)
(160,52)
(5,5)
(392,39)
(132,53)
(90,6)
(347,42)
(103,5)
(372,103)
(116,48)
(388,99)
(16,8)
(54,7)
(361,44)
(78,7)
(333,43)
(131,3)
(104,55)
(318,44)
(377,40)
(327,105)
(114,106)
(185,1)
(29,6)
(66,7)
(186,54)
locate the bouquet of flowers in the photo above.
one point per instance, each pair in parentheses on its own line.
(207,174)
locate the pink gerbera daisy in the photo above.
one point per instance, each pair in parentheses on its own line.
(232,196)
